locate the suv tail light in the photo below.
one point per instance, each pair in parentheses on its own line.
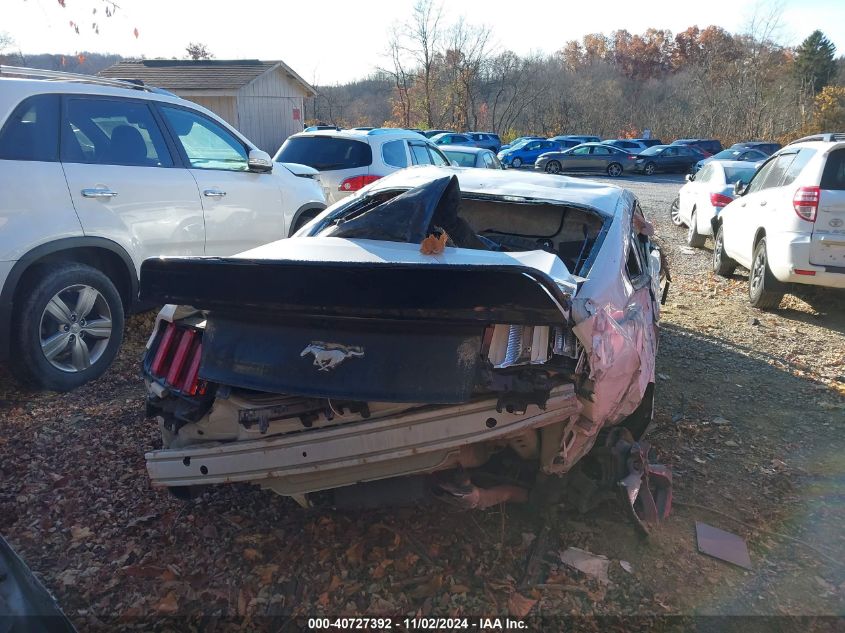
(806,202)
(357,182)
(720,200)
(176,359)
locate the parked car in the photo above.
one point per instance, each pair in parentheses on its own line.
(525,152)
(98,175)
(432,133)
(766,147)
(519,140)
(628,145)
(437,329)
(314,128)
(788,224)
(667,158)
(733,153)
(576,137)
(350,160)
(587,157)
(472,157)
(487,140)
(649,142)
(707,146)
(706,194)
(450,138)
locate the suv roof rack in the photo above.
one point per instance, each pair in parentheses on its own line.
(60,75)
(826,137)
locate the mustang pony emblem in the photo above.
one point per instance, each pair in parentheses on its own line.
(329,355)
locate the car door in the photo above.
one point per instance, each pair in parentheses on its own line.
(757,207)
(600,158)
(668,159)
(576,159)
(242,209)
(691,193)
(125,179)
(827,246)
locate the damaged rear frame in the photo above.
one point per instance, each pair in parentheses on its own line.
(326,361)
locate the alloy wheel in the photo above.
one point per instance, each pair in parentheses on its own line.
(75,328)
(675,211)
(614,170)
(553,167)
(758,271)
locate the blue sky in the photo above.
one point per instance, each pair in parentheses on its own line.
(341,40)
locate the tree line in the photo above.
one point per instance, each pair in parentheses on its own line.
(696,83)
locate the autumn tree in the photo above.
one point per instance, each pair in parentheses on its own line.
(198,50)
(815,65)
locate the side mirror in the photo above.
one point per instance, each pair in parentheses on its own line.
(689,177)
(260,162)
(454,163)
(739,188)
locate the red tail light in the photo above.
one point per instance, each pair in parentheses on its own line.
(806,202)
(176,360)
(357,182)
(720,200)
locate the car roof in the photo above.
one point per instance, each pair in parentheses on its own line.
(365,135)
(602,197)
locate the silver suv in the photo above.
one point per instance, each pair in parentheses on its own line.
(98,175)
(349,160)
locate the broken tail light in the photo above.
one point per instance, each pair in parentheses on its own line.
(357,182)
(518,345)
(806,202)
(175,359)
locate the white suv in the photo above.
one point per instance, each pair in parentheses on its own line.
(349,160)
(98,175)
(788,225)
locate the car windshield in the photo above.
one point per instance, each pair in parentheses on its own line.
(728,154)
(464,159)
(519,144)
(654,149)
(325,153)
(742,174)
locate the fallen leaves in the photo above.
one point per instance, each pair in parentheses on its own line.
(519,606)
(434,245)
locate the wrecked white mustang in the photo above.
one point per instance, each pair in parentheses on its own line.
(463,334)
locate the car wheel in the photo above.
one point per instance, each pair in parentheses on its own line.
(614,170)
(675,211)
(516,163)
(764,290)
(69,327)
(650,168)
(694,238)
(553,167)
(723,265)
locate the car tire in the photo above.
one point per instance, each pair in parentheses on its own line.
(553,167)
(675,211)
(650,168)
(723,265)
(764,290)
(614,170)
(516,163)
(694,238)
(68,328)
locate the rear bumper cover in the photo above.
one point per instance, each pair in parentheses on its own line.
(790,251)
(423,440)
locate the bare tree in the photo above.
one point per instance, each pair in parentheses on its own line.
(198,50)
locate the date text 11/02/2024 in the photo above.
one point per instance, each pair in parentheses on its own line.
(417,624)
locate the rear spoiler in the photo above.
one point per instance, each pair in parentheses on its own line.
(459,293)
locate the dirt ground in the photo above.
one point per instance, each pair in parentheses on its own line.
(750,412)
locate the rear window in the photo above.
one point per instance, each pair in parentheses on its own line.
(738,174)
(462,158)
(32,132)
(833,176)
(325,153)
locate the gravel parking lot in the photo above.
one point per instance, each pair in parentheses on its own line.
(750,416)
